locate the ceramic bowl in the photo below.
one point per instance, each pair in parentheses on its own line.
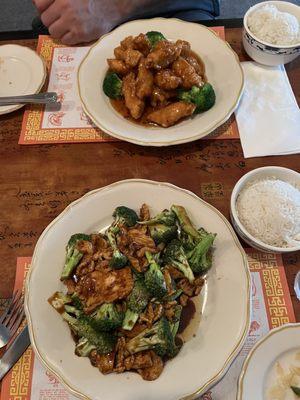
(284,174)
(267,53)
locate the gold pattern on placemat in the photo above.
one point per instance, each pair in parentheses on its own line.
(21,377)
(278,305)
(212,190)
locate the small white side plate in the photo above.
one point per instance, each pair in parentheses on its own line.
(22,72)
(258,369)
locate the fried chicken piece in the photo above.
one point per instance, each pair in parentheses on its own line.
(84,246)
(142,44)
(98,241)
(192,60)
(160,97)
(130,56)
(104,286)
(163,55)
(144,212)
(183,299)
(140,238)
(120,355)
(86,265)
(144,82)
(153,372)
(188,74)
(70,285)
(105,362)
(141,252)
(132,102)
(117,66)
(172,113)
(138,328)
(185,47)
(187,287)
(166,80)
(139,360)
(127,43)
(175,273)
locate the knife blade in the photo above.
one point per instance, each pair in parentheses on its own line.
(14,352)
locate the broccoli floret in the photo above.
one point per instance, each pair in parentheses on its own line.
(118,260)
(158,338)
(174,255)
(104,342)
(166,218)
(125,216)
(136,303)
(200,259)
(185,222)
(106,318)
(84,347)
(112,85)
(73,254)
(154,278)
(162,233)
(154,37)
(76,301)
(203,97)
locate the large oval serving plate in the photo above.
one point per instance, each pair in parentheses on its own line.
(223,70)
(203,359)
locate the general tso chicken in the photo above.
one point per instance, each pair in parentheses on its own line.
(153,81)
(127,289)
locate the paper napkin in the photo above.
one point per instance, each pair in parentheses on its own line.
(268,116)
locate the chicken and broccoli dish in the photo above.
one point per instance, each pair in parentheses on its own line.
(154,81)
(127,289)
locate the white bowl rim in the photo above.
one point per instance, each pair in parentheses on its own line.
(272,332)
(236,190)
(258,5)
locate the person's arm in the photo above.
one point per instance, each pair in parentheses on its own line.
(80,21)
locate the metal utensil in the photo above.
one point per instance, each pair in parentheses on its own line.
(39,98)
(297,285)
(11,318)
(14,352)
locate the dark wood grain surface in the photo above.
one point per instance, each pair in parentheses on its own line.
(37,182)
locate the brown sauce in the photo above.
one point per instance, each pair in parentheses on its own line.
(187,315)
(120,107)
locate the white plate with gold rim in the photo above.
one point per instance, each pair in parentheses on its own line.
(267,373)
(223,71)
(22,71)
(224,312)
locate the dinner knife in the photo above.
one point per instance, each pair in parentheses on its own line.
(38,98)
(14,352)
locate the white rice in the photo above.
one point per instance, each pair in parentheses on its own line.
(269,209)
(274,27)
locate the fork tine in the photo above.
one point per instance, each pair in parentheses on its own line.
(9,307)
(17,323)
(14,316)
(14,309)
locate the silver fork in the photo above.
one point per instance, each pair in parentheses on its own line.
(11,318)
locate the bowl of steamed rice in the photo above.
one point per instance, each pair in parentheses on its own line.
(265,209)
(271,33)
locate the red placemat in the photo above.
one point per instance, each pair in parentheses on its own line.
(70,124)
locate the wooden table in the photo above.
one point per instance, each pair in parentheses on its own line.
(37,182)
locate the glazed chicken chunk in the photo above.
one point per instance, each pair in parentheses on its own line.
(134,104)
(163,55)
(155,81)
(187,73)
(172,113)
